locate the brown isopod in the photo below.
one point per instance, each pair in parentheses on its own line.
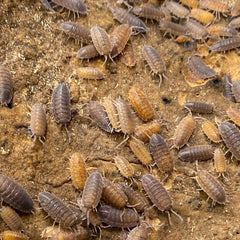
(141,232)
(183,131)
(61,106)
(119,38)
(155,61)
(158,195)
(190,3)
(211,131)
(196,153)
(134,198)
(128,57)
(141,151)
(177,9)
(236,9)
(90,73)
(214,5)
(174,29)
(227,88)
(76,31)
(221,30)
(87,52)
(12,219)
(113,194)
(161,154)
(58,210)
(196,30)
(140,104)
(126,218)
(199,107)
(124,166)
(236,91)
(11,235)
(234,115)
(145,131)
(231,137)
(235,23)
(78,171)
(220,162)
(101,41)
(211,186)
(38,123)
(202,16)
(14,195)
(98,113)
(6,86)
(225,44)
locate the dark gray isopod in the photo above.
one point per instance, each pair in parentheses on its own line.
(225,44)
(87,52)
(199,107)
(236,91)
(227,88)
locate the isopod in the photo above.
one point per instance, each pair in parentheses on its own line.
(161,154)
(90,73)
(58,210)
(183,131)
(199,107)
(38,123)
(128,56)
(225,44)
(87,52)
(155,61)
(221,30)
(211,186)
(61,106)
(202,16)
(211,131)
(11,235)
(236,9)
(220,162)
(124,166)
(158,195)
(141,232)
(14,195)
(98,113)
(214,5)
(126,218)
(172,28)
(227,88)
(236,90)
(196,30)
(234,115)
(190,3)
(196,153)
(78,171)
(231,137)
(235,23)
(6,86)
(177,9)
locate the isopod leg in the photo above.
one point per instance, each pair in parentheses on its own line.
(178,215)
(68,134)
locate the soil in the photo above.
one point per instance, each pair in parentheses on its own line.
(40,56)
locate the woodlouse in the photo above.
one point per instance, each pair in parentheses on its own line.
(234,115)
(98,113)
(141,232)
(126,218)
(227,88)
(158,194)
(47,5)
(196,153)
(225,44)
(11,235)
(222,30)
(190,3)
(38,123)
(78,171)
(124,166)
(14,195)
(141,104)
(172,28)
(177,9)
(6,86)
(161,154)
(236,91)
(199,68)
(220,162)
(202,16)
(90,73)
(134,198)
(155,61)
(91,214)
(236,9)
(77,32)
(196,30)
(113,194)
(183,131)
(214,5)
(92,191)
(145,131)
(12,219)
(57,209)
(61,106)
(128,56)
(231,137)
(235,23)
(211,186)
(211,131)
(199,107)
(87,52)
(119,38)
(101,41)
(126,120)
(141,151)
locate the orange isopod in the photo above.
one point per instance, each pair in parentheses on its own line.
(202,16)
(214,5)
(124,166)
(190,3)
(211,131)
(90,73)
(10,235)
(128,57)
(220,162)
(234,115)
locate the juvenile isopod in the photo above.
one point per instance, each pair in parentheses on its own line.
(183,131)
(196,153)
(128,56)
(211,186)
(58,210)
(211,131)
(196,30)
(161,154)
(61,106)
(199,107)
(98,113)
(220,162)
(236,91)
(14,195)
(155,61)
(202,16)
(87,52)
(38,123)
(234,115)
(6,86)
(90,73)
(225,44)
(78,171)
(124,166)
(158,195)
(126,218)
(177,9)
(227,88)
(11,235)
